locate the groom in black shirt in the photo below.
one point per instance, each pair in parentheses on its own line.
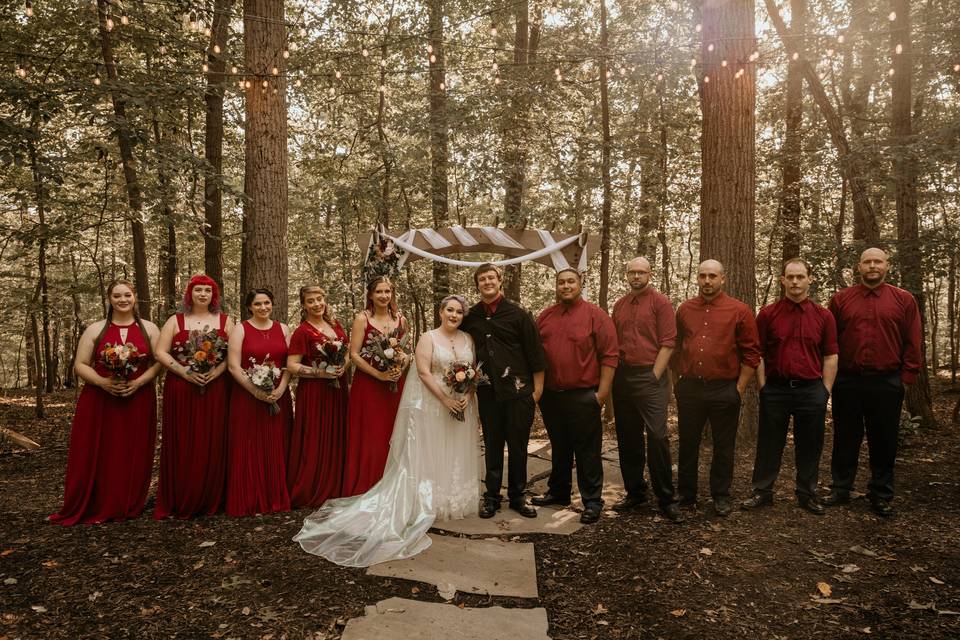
(508,345)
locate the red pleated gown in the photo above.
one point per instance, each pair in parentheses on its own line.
(257,442)
(370,414)
(318,443)
(111,446)
(193,445)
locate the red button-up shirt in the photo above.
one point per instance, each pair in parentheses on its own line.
(645,323)
(879,330)
(795,337)
(578,339)
(714,337)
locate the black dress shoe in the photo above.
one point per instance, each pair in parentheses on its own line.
(756,501)
(489,508)
(687,501)
(723,507)
(812,505)
(836,498)
(671,512)
(548,499)
(590,514)
(882,508)
(524,509)
(628,503)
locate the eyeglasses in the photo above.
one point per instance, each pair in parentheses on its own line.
(638,273)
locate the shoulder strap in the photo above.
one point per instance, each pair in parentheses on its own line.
(181,321)
(223,321)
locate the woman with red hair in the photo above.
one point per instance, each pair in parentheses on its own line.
(193,446)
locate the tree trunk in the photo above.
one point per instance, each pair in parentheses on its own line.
(134,197)
(792,149)
(213,143)
(604,163)
(952,315)
(37,357)
(265,151)
(49,371)
(662,196)
(168,252)
(439,146)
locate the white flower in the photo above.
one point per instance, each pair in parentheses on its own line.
(389,353)
(461,376)
(471,373)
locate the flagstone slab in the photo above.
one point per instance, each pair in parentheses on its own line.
(612,485)
(454,564)
(508,522)
(536,467)
(403,619)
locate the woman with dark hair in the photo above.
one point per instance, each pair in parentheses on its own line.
(316,358)
(260,412)
(115,425)
(193,446)
(373,404)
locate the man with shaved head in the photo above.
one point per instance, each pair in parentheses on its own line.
(717,352)
(879,332)
(647,332)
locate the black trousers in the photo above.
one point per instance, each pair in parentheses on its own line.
(697,402)
(573,423)
(640,408)
(868,404)
(807,403)
(505,422)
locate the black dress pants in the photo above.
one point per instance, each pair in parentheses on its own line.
(640,408)
(505,422)
(806,401)
(868,404)
(698,401)
(573,423)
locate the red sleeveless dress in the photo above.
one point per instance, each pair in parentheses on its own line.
(193,445)
(257,442)
(111,445)
(315,463)
(370,415)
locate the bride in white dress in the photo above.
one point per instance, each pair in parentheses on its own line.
(432,470)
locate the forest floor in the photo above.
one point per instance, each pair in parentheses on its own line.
(776,573)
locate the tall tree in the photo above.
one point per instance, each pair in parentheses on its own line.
(265,152)
(604,161)
(439,144)
(125,141)
(792,157)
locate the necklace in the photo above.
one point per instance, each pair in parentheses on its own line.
(453,344)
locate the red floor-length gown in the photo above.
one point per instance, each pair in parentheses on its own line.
(193,445)
(256,441)
(370,415)
(317,446)
(111,445)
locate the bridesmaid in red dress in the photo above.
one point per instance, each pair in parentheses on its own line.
(259,424)
(115,425)
(193,446)
(373,406)
(315,462)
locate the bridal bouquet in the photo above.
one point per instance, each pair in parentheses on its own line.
(461,376)
(121,360)
(386,351)
(202,351)
(263,376)
(330,356)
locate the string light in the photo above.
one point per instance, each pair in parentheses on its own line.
(738,73)
(96,81)
(433,58)
(286,55)
(795,56)
(706,79)
(124,20)
(443,86)
(109,24)
(274,71)
(21,72)
(710,47)
(332,92)
(338,74)
(493,32)
(292,47)
(297,82)
(891,72)
(233,70)
(247,84)
(899,49)
(723,63)
(892,17)
(265,84)
(840,38)
(429,48)
(660,75)
(698,28)
(365,52)
(216,49)
(207,32)
(205,67)
(956,68)
(28,9)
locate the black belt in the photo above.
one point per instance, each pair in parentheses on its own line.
(635,367)
(793,383)
(594,389)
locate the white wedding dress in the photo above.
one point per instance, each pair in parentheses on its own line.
(432,472)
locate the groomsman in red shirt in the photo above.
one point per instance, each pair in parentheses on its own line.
(880,337)
(647,332)
(717,352)
(798,341)
(580,342)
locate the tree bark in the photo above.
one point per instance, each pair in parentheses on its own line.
(49,371)
(792,151)
(129,162)
(662,196)
(168,252)
(952,315)
(604,162)
(265,152)
(213,143)
(439,146)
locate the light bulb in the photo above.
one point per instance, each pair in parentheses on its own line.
(892,16)
(899,49)
(709,47)
(795,56)
(247,84)
(891,72)
(21,72)
(207,32)
(443,86)
(206,67)
(297,83)
(429,48)
(956,67)
(29,10)
(840,38)
(286,55)
(339,75)
(332,92)
(124,20)
(109,24)
(216,48)
(96,81)
(493,31)
(233,70)
(274,71)
(660,75)
(265,84)
(698,28)
(723,63)
(365,52)
(706,79)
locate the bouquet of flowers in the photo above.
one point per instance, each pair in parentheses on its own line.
(202,351)
(461,376)
(385,351)
(263,375)
(121,360)
(330,356)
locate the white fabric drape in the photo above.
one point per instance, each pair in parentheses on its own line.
(407,246)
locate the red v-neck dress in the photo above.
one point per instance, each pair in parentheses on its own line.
(318,443)
(257,442)
(370,415)
(111,445)
(193,444)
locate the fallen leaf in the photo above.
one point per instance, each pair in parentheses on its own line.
(864,552)
(415,590)
(198,565)
(850,568)
(9,581)
(678,613)
(824,589)
(866,630)
(936,580)
(39,608)
(917,605)
(826,600)
(50,564)
(446,590)
(6,552)
(599,610)
(245,611)
(207,543)
(93,596)
(602,622)
(706,551)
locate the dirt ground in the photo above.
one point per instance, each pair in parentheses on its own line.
(777,573)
